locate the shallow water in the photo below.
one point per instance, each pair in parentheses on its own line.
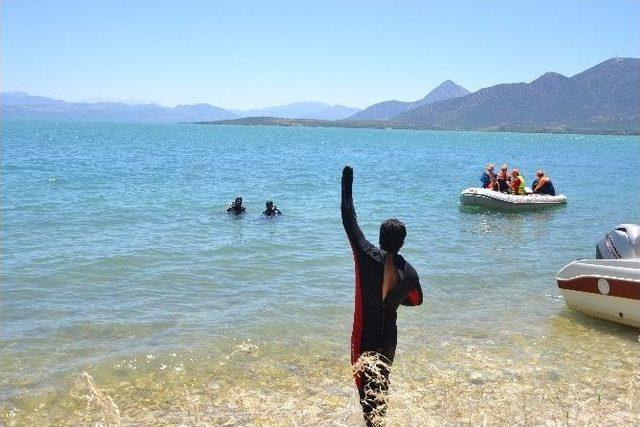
(117,261)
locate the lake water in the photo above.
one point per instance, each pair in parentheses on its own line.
(118,261)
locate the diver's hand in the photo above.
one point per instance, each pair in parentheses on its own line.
(347,177)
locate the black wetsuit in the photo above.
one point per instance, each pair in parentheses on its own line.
(275,211)
(236,210)
(374,320)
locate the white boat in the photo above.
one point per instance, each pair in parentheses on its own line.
(604,288)
(511,202)
(607,287)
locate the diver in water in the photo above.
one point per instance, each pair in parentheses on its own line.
(236,207)
(271,210)
(384,280)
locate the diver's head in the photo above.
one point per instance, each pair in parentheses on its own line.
(490,167)
(515,172)
(504,168)
(540,173)
(238,201)
(269,204)
(392,234)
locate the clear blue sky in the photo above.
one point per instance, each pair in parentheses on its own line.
(239,54)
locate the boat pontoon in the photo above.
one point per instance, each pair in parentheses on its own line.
(607,287)
(502,201)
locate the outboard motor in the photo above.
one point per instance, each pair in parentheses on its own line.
(622,242)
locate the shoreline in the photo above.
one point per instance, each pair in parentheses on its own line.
(330,124)
(384,125)
(256,382)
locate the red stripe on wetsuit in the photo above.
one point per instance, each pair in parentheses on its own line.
(356,331)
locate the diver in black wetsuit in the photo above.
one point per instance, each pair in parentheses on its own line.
(271,210)
(384,280)
(236,207)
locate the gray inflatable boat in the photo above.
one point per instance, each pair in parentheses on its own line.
(508,202)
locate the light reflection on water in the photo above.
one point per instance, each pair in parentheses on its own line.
(119,262)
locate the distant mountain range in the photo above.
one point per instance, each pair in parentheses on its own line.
(389,109)
(26,106)
(302,110)
(602,99)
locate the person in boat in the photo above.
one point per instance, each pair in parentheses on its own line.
(236,207)
(517,183)
(493,184)
(271,210)
(503,179)
(384,280)
(486,175)
(543,185)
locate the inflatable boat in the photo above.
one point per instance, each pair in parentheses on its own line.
(502,201)
(607,287)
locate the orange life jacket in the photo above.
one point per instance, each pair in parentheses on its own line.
(541,182)
(519,188)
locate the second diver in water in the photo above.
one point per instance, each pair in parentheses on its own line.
(384,281)
(271,210)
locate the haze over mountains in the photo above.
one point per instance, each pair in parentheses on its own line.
(302,110)
(25,106)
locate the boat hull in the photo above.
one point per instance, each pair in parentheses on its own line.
(607,289)
(508,202)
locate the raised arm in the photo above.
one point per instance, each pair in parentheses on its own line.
(349,221)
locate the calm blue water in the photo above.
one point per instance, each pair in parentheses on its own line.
(117,259)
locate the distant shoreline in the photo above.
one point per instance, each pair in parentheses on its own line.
(385,124)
